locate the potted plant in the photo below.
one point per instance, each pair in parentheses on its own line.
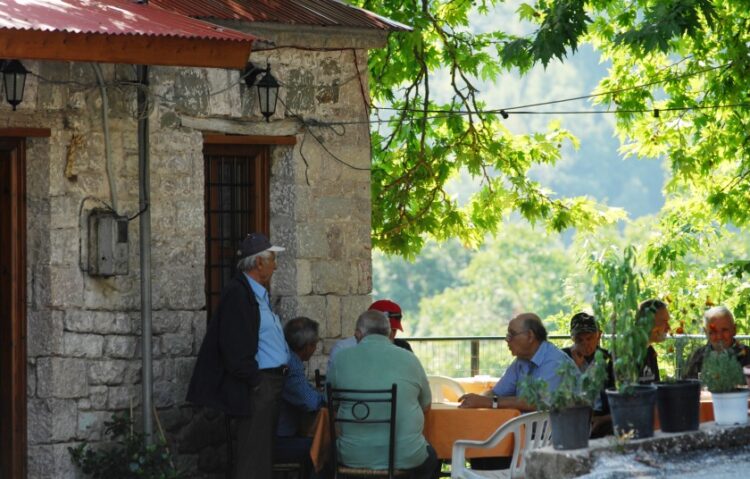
(617,288)
(722,374)
(570,404)
(678,400)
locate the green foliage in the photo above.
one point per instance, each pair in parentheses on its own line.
(426,142)
(128,458)
(617,291)
(721,372)
(576,389)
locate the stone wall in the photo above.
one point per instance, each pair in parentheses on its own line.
(83,331)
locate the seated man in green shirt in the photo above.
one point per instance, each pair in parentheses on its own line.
(376,363)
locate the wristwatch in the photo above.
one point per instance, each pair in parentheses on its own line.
(494,402)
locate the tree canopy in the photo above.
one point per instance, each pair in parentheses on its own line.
(678,81)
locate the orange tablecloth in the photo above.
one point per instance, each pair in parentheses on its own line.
(477,384)
(444,424)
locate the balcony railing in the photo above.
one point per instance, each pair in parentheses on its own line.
(463,356)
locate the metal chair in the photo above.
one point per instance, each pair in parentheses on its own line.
(530,431)
(440,384)
(371,407)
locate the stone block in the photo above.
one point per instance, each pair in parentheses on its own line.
(314,307)
(45,333)
(166,321)
(304,277)
(331,324)
(361,276)
(66,287)
(98,397)
(83,345)
(31,380)
(351,308)
(179,344)
(107,371)
(64,248)
(51,461)
(164,369)
(120,346)
(64,212)
(61,378)
(100,322)
(184,370)
(179,288)
(122,397)
(168,393)
(312,241)
(90,425)
(330,277)
(51,420)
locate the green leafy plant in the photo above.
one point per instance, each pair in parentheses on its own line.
(575,389)
(722,373)
(617,288)
(128,458)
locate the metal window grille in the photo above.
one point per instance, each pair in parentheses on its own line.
(236,203)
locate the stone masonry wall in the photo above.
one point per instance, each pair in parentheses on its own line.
(83,331)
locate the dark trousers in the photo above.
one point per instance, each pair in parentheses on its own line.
(256,433)
(429,469)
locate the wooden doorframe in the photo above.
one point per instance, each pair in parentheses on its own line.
(13,309)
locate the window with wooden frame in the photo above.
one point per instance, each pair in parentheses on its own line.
(236,204)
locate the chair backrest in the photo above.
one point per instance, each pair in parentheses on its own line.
(362,406)
(439,385)
(320,379)
(530,431)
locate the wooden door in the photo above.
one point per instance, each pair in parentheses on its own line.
(12,308)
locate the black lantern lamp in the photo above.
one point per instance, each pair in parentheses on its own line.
(268,88)
(14,81)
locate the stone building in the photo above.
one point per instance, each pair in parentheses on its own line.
(217,171)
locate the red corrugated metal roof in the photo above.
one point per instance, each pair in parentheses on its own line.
(110,17)
(116,31)
(327,13)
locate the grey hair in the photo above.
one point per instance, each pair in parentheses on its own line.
(716,312)
(249,263)
(533,323)
(373,322)
(299,332)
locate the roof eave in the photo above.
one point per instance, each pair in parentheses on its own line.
(130,49)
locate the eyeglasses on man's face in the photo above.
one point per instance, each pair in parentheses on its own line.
(512,334)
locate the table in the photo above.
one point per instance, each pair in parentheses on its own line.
(477,384)
(444,424)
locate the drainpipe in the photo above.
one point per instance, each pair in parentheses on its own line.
(144,193)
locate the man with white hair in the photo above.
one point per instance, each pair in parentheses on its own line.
(243,359)
(376,363)
(720,329)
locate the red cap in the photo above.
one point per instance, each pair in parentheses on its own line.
(390,308)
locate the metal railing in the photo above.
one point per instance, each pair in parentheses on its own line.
(464,356)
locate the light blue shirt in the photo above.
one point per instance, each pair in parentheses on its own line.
(340,345)
(543,365)
(272,348)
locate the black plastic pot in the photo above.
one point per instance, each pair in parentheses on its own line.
(633,413)
(571,428)
(679,405)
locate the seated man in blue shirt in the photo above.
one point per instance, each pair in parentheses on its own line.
(300,399)
(535,356)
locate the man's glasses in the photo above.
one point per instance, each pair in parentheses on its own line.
(511,335)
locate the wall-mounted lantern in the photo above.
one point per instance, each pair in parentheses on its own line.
(14,81)
(268,88)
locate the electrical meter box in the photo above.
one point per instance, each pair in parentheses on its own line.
(108,243)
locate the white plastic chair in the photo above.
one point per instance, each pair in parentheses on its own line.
(438,386)
(530,431)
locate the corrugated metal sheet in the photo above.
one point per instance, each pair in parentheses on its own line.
(327,13)
(110,17)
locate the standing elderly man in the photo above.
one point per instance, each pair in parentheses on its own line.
(376,363)
(243,359)
(535,357)
(720,330)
